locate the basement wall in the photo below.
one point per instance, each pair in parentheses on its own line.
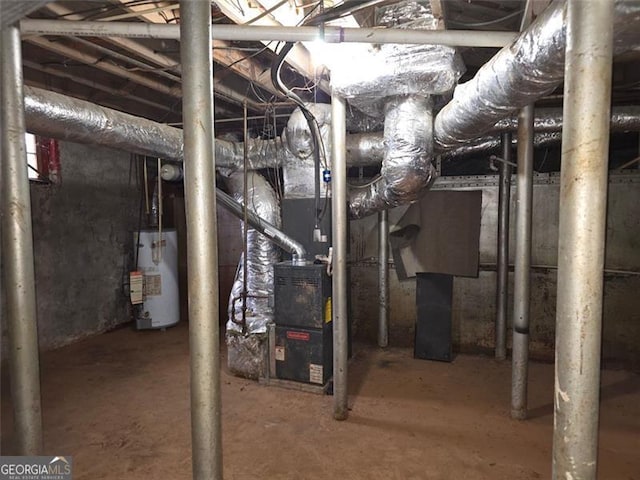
(82,239)
(474,299)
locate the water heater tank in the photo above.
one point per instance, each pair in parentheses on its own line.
(158,262)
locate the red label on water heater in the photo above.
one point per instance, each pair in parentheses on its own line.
(304,336)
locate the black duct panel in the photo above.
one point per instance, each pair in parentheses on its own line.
(434,293)
(298,221)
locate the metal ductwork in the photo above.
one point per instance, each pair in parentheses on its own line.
(67,118)
(406,168)
(531,67)
(250,307)
(262,254)
(59,116)
(266,228)
(623,119)
(399,80)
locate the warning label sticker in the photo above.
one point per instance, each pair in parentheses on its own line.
(279,353)
(315,373)
(328,311)
(152,285)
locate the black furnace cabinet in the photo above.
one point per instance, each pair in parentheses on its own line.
(304,336)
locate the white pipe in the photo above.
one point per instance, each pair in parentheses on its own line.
(453,38)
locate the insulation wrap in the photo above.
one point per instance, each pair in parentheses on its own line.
(406,168)
(368,76)
(531,67)
(298,170)
(67,118)
(261,256)
(623,119)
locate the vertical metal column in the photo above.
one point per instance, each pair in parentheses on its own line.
(581,243)
(383,278)
(202,252)
(17,250)
(522,271)
(339,227)
(502,294)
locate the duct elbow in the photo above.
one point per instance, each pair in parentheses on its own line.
(406,168)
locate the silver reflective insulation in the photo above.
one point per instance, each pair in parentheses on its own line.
(623,119)
(270,231)
(531,67)
(390,69)
(66,118)
(486,145)
(365,149)
(406,168)
(262,254)
(298,169)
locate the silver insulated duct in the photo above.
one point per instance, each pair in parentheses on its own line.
(406,168)
(399,81)
(246,335)
(531,67)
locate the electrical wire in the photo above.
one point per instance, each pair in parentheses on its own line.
(311,121)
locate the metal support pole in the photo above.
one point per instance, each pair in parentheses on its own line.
(202,251)
(522,271)
(383,278)
(581,242)
(339,227)
(17,250)
(502,294)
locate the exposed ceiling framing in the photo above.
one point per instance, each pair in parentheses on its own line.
(143,76)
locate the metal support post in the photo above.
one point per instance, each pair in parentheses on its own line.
(502,294)
(581,242)
(522,271)
(339,228)
(202,238)
(383,278)
(17,254)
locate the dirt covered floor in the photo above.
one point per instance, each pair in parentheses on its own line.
(119,404)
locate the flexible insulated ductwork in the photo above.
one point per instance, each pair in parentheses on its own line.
(299,169)
(59,116)
(66,118)
(623,119)
(486,145)
(406,168)
(531,67)
(261,255)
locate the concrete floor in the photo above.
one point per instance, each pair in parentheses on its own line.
(119,404)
